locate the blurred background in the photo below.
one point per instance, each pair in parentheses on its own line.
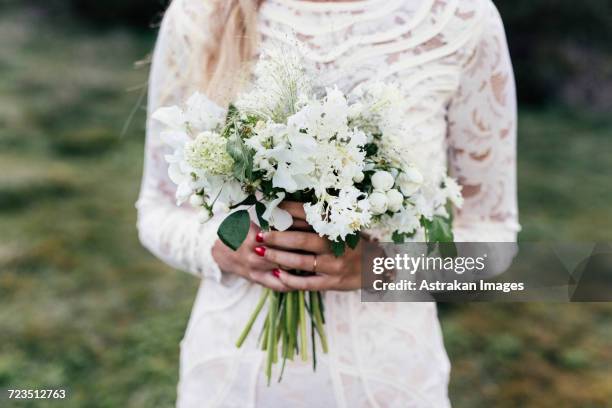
(84,307)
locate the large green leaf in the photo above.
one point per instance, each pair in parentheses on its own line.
(234,229)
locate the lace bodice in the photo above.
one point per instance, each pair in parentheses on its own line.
(452,60)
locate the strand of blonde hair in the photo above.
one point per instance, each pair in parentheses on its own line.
(232,45)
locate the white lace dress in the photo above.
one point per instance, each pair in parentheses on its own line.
(452,58)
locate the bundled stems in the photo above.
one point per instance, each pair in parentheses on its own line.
(286,323)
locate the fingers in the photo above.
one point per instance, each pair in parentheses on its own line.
(257,262)
(301,225)
(290,260)
(268,280)
(326,264)
(315,282)
(251,238)
(294,208)
(297,240)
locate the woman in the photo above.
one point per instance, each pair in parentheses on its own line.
(452,57)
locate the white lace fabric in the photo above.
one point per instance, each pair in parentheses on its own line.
(452,60)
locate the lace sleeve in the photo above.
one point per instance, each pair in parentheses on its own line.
(173,233)
(482,139)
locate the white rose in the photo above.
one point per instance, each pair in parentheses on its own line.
(395,200)
(203,215)
(196,200)
(410,181)
(382,180)
(358,178)
(378,202)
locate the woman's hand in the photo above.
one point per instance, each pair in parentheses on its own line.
(331,272)
(246,262)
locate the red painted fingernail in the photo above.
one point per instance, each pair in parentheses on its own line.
(259,236)
(261,251)
(276,272)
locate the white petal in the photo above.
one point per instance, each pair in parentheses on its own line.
(171,116)
(281,219)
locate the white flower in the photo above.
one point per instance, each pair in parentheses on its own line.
(179,171)
(395,200)
(382,180)
(208,152)
(358,178)
(200,114)
(196,200)
(337,217)
(277,217)
(409,180)
(378,202)
(406,220)
(453,191)
(228,192)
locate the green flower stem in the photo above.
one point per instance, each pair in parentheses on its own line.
(271,334)
(289,322)
(318,318)
(303,338)
(263,336)
(247,329)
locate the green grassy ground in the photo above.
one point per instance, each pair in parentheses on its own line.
(83,306)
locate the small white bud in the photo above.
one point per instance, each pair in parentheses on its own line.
(358,178)
(203,215)
(196,200)
(382,181)
(395,200)
(378,202)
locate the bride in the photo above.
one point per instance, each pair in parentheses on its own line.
(452,57)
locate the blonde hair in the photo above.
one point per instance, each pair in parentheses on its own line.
(233,42)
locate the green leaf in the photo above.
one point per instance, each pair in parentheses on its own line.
(397,237)
(234,229)
(267,188)
(260,208)
(352,240)
(439,229)
(250,200)
(448,249)
(371,149)
(242,156)
(232,112)
(338,248)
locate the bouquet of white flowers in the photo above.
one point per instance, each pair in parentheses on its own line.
(348,157)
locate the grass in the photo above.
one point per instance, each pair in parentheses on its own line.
(86,308)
